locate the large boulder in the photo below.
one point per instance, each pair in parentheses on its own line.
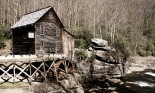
(65,83)
(106,69)
(71,84)
(99,42)
(100,54)
(105,56)
(79,89)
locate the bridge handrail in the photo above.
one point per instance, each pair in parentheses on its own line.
(31,57)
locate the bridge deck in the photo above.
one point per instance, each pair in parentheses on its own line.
(30,58)
(27,68)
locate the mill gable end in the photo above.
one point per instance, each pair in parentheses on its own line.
(41,32)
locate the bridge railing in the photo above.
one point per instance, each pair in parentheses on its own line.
(28,58)
(19,68)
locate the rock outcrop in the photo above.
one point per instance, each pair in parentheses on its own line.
(99,42)
(71,84)
(106,64)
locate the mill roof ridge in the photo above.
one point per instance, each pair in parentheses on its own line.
(34,16)
(38,10)
(31,18)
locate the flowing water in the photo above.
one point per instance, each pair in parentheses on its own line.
(136,82)
(141,82)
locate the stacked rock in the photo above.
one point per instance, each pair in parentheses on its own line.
(103,51)
(106,62)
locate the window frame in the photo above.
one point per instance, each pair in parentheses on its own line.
(57,45)
(42,29)
(42,45)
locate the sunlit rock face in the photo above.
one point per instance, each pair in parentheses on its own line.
(71,84)
(106,62)
(99,42)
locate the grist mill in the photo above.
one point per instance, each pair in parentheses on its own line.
(41,48)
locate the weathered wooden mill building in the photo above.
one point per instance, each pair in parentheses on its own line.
(41,32)
(41,47)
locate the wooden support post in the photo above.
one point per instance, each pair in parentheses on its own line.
(56,70)
(30,71)
(14,73)
(44,70)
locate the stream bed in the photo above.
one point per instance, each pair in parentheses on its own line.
(136,82)
(141,82)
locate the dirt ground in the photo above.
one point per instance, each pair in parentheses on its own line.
(16,88)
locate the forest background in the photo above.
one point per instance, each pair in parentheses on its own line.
(128,25)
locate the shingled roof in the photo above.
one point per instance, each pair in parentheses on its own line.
(31,18)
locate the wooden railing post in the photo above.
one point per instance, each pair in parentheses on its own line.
(14,70)
(30,71)
(44,70)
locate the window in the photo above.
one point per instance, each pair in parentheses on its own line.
(52,48)
(31,35)
(42,45)
(57,32)
(57,46)
(42,29)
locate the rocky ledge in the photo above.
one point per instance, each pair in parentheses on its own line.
(102,62)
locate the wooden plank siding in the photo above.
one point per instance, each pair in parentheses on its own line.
(21,43)
(68,45)
(48,35)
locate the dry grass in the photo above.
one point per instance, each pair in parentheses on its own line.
(7,49)
(15,88)
(7,85)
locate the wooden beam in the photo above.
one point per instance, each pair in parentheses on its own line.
(30,66)
(6,72)
(50,67)
(22,71)
(27,58)
(14,73)
(37,69)
(24,63)
(45,73)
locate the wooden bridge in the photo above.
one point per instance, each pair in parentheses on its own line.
(30,68)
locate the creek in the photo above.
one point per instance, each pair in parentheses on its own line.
(141,82)
(135,82)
